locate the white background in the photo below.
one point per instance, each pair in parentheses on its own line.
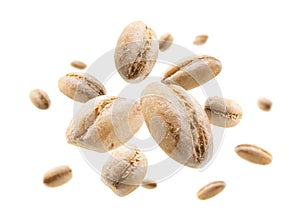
(258,44)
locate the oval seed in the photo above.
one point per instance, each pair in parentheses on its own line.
(165,41)
(210,190)
(254,154)
(124,170)
(192,72)
(223,112)
(40,99)
(177,123)
(200,39)
(149,184)
(136,52)
(264,104)
(78,64)
(81,87)
(57,176)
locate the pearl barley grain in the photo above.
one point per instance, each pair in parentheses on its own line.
(165,41)
(192,72)
(253,154)
(124,170)
(78,64)
(57,176)
(149,184)
(200,39)
(136,52)
(210,190)
(40,99)
(81,87)
(99,124)
(264,104)
(178,123)
(223,112)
